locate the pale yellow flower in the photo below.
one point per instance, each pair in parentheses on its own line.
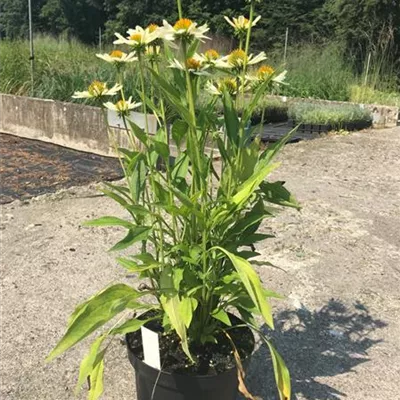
(117,56)
(122,107)
(226,84)
(209,57)
(98,89)
(266,73)
(238,58)
(241,24)
(183,29)
(193,64)
(138,38)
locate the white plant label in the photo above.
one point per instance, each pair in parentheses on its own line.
(151,348)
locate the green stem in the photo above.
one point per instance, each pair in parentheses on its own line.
(168,167)
(179,4)
(151,175)
(262,121)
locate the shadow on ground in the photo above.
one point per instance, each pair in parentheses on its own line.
(315,345)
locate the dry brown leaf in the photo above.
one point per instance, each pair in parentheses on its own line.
(240,371)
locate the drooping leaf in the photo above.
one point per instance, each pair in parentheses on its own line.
(88,362)
(252,283)
(240,371)
(96,378)
(276,193)
(95,313)
(134,235)
(281,372)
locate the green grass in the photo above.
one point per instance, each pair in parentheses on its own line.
(366,95)
(316,72)
(62,67)
(328,114)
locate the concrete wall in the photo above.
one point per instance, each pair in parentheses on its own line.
(83,127)
(67,124)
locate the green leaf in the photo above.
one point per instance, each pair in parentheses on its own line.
(88,362)
(161,193)
(252,283)
(231,119)
(187,306)
(96,378)
(253,238)
(133,266)
(179,130)
(282,376)
(162,149)
(180,171)
(94,313)
(131,325)
(252,184)
(109,221)
(171,304)
(222,316)
(272,150)
(134,235)
(276,193)
(119,199)
(137,180)
(138,132)
(254,102)
(137,209)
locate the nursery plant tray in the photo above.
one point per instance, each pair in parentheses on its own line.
(323,128)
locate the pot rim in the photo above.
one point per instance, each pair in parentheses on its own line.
(205,377)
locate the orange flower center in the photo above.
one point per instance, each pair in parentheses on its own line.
(211,54)
(152,27)
(237,57)
(183,23)
(96,88)
(193,64)
(264,71)
(116,54)
(137,37)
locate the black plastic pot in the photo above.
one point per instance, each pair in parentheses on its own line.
(317,128)
(152,384)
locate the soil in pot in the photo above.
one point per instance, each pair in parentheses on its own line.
(211,358)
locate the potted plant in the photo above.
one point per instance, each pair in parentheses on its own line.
(191,225)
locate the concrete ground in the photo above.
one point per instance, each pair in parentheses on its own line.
(339,266)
